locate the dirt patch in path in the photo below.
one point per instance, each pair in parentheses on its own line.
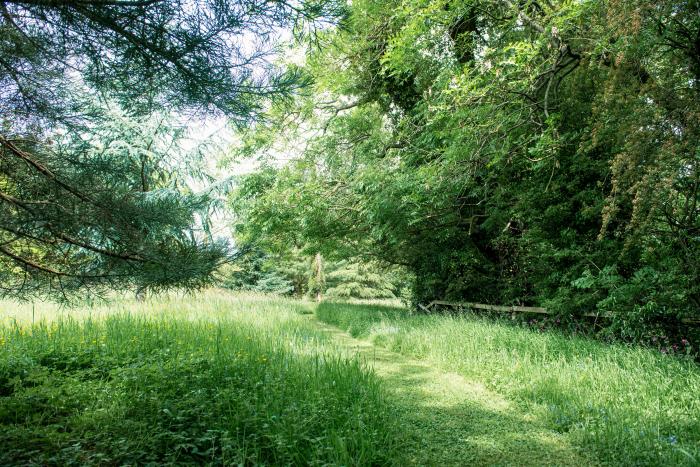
(449,420)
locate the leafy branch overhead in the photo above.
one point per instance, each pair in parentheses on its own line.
(89,203)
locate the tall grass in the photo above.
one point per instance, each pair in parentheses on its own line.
(209,379)
(629,405)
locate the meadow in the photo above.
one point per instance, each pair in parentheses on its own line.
(626,405)
(212,379)
(223,379)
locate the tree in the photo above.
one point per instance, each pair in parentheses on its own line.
(317,278)
(84,204)
(119,215)
(505,152)
(254,270)
(360,281)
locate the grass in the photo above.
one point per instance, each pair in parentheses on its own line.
(241,379)
(624,405)
(212,379)
(449,420)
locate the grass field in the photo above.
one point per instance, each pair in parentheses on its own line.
(625,405)
(216,379)
(219,378)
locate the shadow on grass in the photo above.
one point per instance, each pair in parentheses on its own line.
(623,405)
(451,422)
(447,420)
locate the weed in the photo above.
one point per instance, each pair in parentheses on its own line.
(215,379)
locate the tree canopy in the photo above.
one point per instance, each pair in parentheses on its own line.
(535,153)
(89,201)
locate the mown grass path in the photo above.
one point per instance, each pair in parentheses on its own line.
(449,420)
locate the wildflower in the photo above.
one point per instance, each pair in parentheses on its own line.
(685,341)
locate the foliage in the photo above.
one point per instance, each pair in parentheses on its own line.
(252,271)
(317,278)
(294,273)
(355,280)
(148,54)
(214,380)
(535,153)
(86,204)
(121,215)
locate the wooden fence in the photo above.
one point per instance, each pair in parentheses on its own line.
(435,304)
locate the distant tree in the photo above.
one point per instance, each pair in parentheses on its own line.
(85,205)
(254,270)
(317,278)
(244,273)
(356,280)
(274,283)
(293,265)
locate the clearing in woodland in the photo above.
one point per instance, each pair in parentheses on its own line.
(223,378)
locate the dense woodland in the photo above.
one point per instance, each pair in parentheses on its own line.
(506,152)
(534,153)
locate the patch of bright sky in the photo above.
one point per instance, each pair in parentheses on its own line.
(216,131)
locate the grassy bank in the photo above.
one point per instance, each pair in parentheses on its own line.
(629,406)
(214,379)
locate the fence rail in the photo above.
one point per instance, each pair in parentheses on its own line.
(430,308)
